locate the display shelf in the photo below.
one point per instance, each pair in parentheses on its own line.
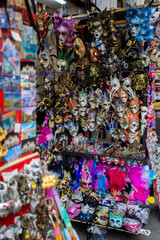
(104,227)
(18,161)
(27,60)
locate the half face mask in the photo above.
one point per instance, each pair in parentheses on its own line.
(73,209)
(86,213)
(101,217)
(115,219)
(95,54)
(145,60)
(132,225)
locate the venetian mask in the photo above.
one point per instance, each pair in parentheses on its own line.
(73,209)
(127,87)
(62,34)
(51,122)
(131,137)
(145,60)
(91,120)
(79,47)
(44,59)
(115,219)
(98,29)
(58,119)
(157,59)
(132,225)
(86,213)
(139,81)
(122,135)
(73,127)
(135,26)
(95,54)
(62,66)
(82,99)
(143,125)
(120,110)
(84,124)
(143,113)
(115,85)
(100,118)
(134,125)
(82,111)
(101,217)
(123,96)
(86,178)
(134,105)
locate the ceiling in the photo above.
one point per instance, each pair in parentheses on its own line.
(51,3)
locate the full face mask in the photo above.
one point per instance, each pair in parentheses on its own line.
(120,110)
(115,219)
(115,85)
(82,99)
(134,125)
(134,105)
(135,26)
(126,85)
(98,30)
(131,137)
(91,120)
(123,96)
(82,111)
(132,225)
(84,124)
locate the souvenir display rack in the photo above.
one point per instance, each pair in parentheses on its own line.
(94,112)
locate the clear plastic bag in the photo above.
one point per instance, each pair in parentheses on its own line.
(100,234)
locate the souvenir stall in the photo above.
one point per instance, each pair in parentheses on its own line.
(30,207)
(95,112)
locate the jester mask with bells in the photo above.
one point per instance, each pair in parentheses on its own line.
(73,127)
(65,30)
(91,120)
(134,106)
(97,25)
(73,106)
(138,21)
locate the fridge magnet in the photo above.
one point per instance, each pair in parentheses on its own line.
(9,120)
(13,154)
(28,98)
(11,83)
(28,114)
(12,101)
(28,130)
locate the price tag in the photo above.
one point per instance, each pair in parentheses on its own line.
(144,232)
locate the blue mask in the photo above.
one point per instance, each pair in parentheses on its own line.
(115,219)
